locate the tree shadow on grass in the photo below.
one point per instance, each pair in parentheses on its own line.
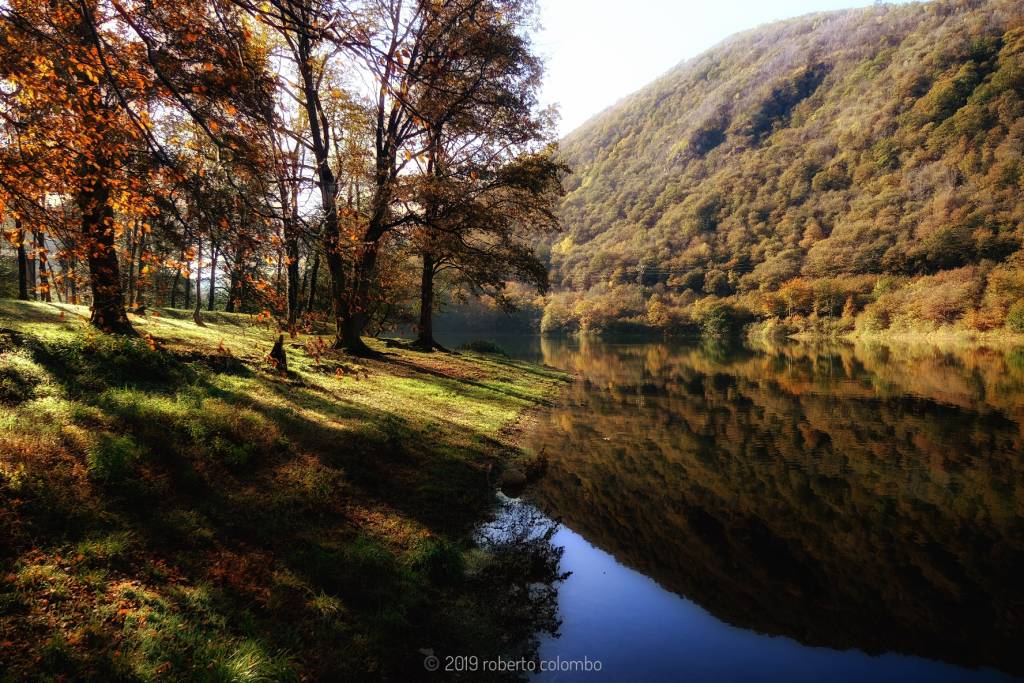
(212,499)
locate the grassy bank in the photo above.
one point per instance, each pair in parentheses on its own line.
(172,508)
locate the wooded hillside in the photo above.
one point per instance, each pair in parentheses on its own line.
(859,168)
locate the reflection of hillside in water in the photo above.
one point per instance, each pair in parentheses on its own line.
(849,497)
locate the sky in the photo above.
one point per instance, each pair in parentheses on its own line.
(599,51)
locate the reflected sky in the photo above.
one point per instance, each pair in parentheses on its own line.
(642,632)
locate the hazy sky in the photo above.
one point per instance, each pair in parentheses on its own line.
(599,51)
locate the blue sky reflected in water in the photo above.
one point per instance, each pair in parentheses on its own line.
(642,632)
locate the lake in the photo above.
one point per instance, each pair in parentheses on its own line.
(796,513)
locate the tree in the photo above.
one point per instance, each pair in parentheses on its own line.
(477,100)
(88,82)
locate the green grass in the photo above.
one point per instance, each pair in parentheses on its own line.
(175,510)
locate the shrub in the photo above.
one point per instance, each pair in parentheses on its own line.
(874,319)
(1015,319)
(483,346)
(720,321)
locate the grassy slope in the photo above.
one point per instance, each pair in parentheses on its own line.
(187,514)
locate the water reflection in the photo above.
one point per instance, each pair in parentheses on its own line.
(860,497)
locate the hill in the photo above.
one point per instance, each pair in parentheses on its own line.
(859,169)
(173,508)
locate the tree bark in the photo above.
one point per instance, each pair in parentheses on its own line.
(312,282)
(357,316)
(22,261)
(197,312)
(174,287)
(44,275)
(33,289)
(137,301)
(425,339)
(108,311)
(214,253)
(235,285)
(188,286)
(292,254)
(131,266)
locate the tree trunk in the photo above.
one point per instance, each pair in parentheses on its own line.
(131,267)
(44,275)
(320,137)
(188,286)
(137,301)
(197,312)
(22,261)
(108,311)
(235,285)
(425,340)
(174,287)
(354,323)
(292,253)
(214,253)
(72,279)
(312,282)
(33,290)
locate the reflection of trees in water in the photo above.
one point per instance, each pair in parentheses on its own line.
(851,497)
(517,566)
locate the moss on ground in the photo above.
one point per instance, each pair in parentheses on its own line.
(173,509)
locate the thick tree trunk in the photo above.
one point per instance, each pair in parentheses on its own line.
(425,339)
(354,324)
(22,262)
(108,311)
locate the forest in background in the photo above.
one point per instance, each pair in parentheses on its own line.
(848,171)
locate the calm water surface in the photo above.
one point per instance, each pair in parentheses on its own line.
(787,514)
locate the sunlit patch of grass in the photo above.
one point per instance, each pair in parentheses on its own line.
(46,577)
(105,550)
